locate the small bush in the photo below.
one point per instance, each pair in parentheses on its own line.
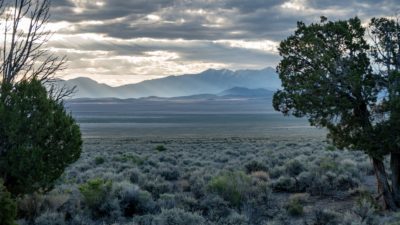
(134,176)
(260,175)
(95,192)
(285,183)
(30,206)
(99,160)
(363,212)
(161,148)
(130,158)
(325,217)
(235,219)
(328,164)
(8,208)
(301,197)
(255,166)
(231,186)
(366,197)
(213,207)
(170,174)
(156,188)
(294,167)
(50,218)
(330,148)
(178,217)
(295,208)
(134,201)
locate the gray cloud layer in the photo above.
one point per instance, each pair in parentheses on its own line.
(146,39)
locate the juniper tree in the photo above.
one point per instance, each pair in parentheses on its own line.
(332,76)
(38,138)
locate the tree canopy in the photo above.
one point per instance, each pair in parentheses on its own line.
(334,77)
(38,139)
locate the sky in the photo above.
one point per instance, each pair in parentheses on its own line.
(128,41)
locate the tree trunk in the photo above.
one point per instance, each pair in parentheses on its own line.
(383,185)
(395,167)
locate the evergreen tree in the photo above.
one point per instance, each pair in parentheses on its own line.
(38,139)
(328,76)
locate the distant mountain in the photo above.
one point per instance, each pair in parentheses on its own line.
(246,92)
(210,81)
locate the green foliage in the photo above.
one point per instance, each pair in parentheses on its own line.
(99,160)
(161,148)
(137,202)
(95,192)
(328,164)
(255,166)
(327,77)
(295,208)
(231,186)
(294,167)
(366,197)
(38,139)
(8,208)
(178,217)
(330,148)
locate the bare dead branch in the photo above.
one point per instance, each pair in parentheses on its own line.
(23,54)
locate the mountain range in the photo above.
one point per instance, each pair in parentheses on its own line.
(217,82)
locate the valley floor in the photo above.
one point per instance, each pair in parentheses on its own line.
(278,179)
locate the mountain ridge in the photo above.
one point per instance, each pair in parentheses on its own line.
(210,81)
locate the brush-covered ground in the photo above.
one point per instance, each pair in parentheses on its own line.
(213,181)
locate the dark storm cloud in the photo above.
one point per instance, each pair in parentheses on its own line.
(348,3)
(76,11)
(251,6)
(62,3)
(247,19)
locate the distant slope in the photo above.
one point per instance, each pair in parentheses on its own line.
(210,81)
(246,92)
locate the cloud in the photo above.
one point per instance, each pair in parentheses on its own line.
(141,39)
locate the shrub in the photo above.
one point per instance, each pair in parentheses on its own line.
(161,148)
(8,208)
(170,174)
(99,160)
(39,138)
(231,186)
(178,217)
(260,204)
(134,176)
(167,201)
(330,148)
(157,187)
(213,207)
(327,164)
(325,217)
(134,201)
(366,198)
(295,208)
(255,166)
(362,213)
(95,193)
(294,167)
(260,175)
(235,219)
(30,206)
(50,218)
(285,183)
(130,158)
